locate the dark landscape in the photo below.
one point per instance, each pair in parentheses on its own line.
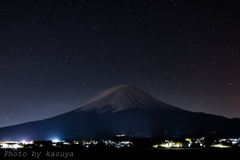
(119,79)
(123,124)
(124,110)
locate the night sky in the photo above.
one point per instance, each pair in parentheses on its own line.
(57,55)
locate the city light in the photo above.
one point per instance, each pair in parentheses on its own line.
(16,146)
(170,144)
(4,145)
(220,146)
(55,140)
(125,143)
(155,146)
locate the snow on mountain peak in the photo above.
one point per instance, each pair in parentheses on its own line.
(124,97)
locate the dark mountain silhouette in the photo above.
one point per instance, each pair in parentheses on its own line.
(124,110)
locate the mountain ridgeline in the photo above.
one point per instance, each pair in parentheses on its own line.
(124,110)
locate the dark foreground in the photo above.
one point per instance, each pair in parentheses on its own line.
(133,153)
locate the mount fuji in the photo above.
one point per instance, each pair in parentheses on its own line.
(123,110)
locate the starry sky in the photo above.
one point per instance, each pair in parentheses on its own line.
(57,55)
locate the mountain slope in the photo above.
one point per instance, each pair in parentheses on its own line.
(123,98)
(123,110)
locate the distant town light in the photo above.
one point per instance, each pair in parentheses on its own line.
(121,135)
(55,140)
(155,146)
(220,146)
(4,145)
(16,146)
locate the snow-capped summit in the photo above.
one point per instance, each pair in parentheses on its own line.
(125,97)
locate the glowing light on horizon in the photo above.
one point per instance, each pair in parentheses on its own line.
(55,140)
